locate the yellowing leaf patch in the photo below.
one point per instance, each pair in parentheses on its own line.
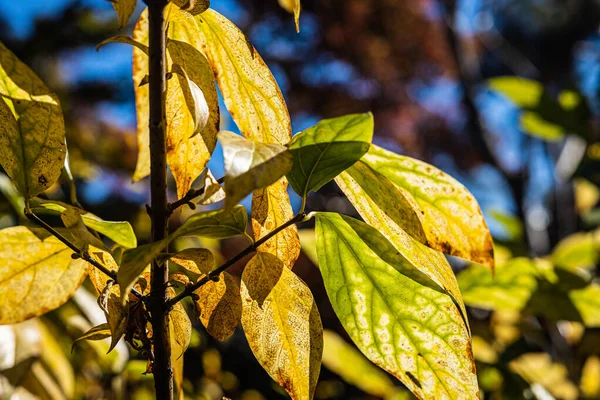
(282,325)
(449,213)
(124,10)
(36,276)
(32,131)
(415,333)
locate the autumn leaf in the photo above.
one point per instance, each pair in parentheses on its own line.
(98,332)
(182,328)
(194,7)
(124,10)
(32,131)
(292,6)
(126,40)
(323,151)
(251,165)
(213,191)
(37,276)
(218,305)
(192,110)
(371,199)
(415,333)
(115,311)
(539,368)
(249,90)
(271,208)
(282,325)
(449,213)
(98,278)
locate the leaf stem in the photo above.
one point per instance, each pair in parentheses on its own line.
(81,253)
(187,199)
(214,274)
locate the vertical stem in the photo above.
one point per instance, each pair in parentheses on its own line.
(162,369)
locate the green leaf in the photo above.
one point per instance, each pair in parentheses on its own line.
(509,289)
(32,131)
(36,275)
(119,232)
(99,332)
(373,204)
(587,303)
(323,151)
(251,165)
(344,360)
(124,10)
(415,333)
(449,213)
(217,224)
(580,250)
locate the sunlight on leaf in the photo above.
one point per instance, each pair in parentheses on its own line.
(328,148)
(282,325)
(251,165)
(194,262)
(36,276)
(580,250)
(219,306)
(343,359)
(213,191)
(126,40)
(590,378)
(415,333)
(449,213)
(194,7)
(140,69)
(376,212)
(32,131)
(309,244)
(182,328)
(116,313)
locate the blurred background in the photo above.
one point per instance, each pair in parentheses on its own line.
(502,94)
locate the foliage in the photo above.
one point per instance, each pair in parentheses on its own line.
(387,278)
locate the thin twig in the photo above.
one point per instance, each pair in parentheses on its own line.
(76,250)
(190,289)
(187,199)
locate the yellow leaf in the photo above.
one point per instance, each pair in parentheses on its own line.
(345,360)
(195,261)
(36,276)
(375,213)
(116,313)
(182,328)
(292,6)
(99,332)
(271,208)
(32,131)
(255,103)
(193,7)
(449,213)
(220,306)
(590,378)
(124,39)
(124,9)
(539,368)
(213,191)
(99,278)
(251,165)
(282,325)
(248,87)
(191,136)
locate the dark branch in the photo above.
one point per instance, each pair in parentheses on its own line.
(187,199)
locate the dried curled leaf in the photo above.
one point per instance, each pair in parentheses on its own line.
(415,333)
(282,325)
(251,165)
(37,276)
(32,131)
(115,312)
(449,213)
